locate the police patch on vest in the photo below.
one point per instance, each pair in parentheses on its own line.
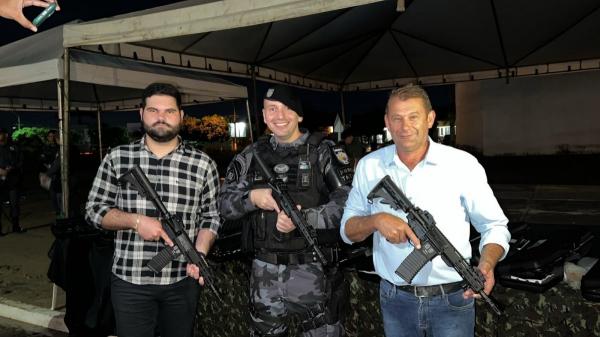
(303,165)
(341,156)
(281,168)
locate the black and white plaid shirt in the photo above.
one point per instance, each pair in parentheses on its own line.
(187,182)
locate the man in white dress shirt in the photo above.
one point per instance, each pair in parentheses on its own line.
(452,186)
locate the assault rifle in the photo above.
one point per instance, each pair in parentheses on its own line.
(173,226)
(433,242)
(287,204)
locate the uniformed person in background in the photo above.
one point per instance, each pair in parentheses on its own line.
(286,278)
(11,166)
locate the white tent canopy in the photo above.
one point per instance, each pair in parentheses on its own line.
(30,68)
(196,16)
(356,44)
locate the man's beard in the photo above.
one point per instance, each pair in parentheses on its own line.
(164,135)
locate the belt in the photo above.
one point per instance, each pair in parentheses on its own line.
(331,255)
(430,291)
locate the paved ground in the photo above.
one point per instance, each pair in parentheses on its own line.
(24,257)
(10,328)
(24,263)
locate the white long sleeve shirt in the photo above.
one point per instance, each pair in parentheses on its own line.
(448,183)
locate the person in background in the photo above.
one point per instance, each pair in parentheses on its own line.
(452,186)
(50,159)
(353,147)
(11,166)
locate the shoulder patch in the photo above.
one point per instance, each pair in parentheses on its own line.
(341,155)
(234,170)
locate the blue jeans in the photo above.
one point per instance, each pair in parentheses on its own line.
(446,315)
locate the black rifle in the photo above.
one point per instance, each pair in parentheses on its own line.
(173,226)
(433,242)
(287,204)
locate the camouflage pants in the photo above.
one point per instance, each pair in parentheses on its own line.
(278,292)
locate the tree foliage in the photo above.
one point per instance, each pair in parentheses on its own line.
(212,127)
(29,132)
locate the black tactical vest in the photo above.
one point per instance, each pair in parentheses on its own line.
(298,168)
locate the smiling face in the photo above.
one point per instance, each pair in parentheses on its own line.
(409,121)
(282,121)
(161,118)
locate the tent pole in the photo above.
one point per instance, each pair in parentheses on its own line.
(99,133)
(59,93)
(254,102)
(343,110)
(61,113)
(249,121)
(234,129)
(64,144)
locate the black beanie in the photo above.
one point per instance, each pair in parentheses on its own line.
(283,94)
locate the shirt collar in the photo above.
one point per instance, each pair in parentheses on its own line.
(433,154)
(181,147)
(431,157)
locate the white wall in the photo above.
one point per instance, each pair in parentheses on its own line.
(534,115)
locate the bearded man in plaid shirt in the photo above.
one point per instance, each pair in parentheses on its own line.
(187,182)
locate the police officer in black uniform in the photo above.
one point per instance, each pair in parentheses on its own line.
(286,277)
(11,164)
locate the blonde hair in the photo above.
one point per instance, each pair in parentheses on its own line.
(409,91)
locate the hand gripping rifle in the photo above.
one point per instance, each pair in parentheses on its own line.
(173,226)
(287,204)
(433,242)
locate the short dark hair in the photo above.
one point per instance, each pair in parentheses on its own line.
(165,89)
(347,133)
(410,91)
(51,131)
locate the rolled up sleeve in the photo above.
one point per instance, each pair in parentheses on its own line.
(484,211)
(103,194)
(210,214)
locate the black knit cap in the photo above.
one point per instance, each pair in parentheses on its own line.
(285,95)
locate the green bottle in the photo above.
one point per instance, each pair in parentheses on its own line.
(46,13)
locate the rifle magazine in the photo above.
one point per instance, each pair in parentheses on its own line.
(162,259)
(415,261)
